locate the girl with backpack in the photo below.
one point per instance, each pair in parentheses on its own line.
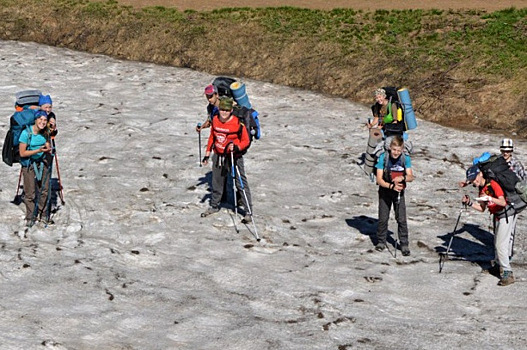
(33,147)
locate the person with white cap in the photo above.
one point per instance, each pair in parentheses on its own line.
(506,149)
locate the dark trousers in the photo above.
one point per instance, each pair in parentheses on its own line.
(387,198)
(221,170)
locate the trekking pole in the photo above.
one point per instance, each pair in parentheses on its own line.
(199,143)
(56,156)
(234,192)
(48,200)
(18,186)
(444,256)
(248,204)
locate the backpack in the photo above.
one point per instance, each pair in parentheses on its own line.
(495,167)
(223,86)
(18,122)
(390,128)
(249,118)
(405,113)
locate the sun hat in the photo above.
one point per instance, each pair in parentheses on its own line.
(41,113)
(210,89)
(226,104)
(472,172)
(380,92)
(507,145)
(44,99)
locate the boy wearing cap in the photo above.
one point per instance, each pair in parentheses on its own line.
(211,93)
(492,197)
(228,136)
(33,146)
(506,149)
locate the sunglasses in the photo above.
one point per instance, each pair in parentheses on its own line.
(209,96)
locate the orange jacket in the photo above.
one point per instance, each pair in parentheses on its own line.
(222,134)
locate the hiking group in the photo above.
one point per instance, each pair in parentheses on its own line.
(30,142)
(234,125)
(500,180)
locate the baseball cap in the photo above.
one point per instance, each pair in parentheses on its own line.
(472,172)
(210,89)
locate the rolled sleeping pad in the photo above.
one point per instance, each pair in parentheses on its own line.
(406,102)
(28,97)
(370,159)
(240,95)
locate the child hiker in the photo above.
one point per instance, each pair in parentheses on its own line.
(394,171)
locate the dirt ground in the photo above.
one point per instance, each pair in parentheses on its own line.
(331,4)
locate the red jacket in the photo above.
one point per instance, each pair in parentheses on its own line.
(492,189)
(222,134)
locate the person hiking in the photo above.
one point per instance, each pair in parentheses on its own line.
(394,171)
(227,136)
(46,105)
(385,115)
(506,149)
(33,146)
(211,93)
(492,197)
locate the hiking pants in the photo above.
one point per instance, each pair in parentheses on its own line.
(387,198)
(34,189)
(221,170)
(503,231)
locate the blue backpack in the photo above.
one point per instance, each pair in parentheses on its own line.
(19,121)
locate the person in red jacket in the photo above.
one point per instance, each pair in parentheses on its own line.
(492,198)
(227,136)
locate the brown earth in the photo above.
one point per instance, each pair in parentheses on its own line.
(465,101)
(455,88)
(332,4)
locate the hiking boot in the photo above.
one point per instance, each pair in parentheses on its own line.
(380,247)
(210,211)
(47,222)
(506,278)
(494,270)
(405,250)
(247,219)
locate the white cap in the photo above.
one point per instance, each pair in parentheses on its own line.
(506,145)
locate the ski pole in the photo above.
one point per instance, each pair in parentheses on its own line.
(234,192)
(444,256)
(48,200)
(199,143)
(56,156)
(18,186)
(248,204)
